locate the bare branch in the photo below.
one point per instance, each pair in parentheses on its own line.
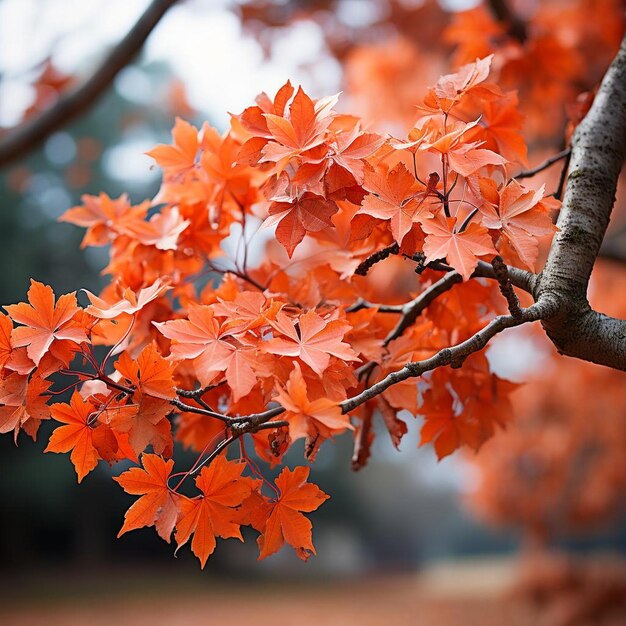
(506,288)
(449,356)
(382,308)
(545,165)
(377,257)
(20,141)
(411,310)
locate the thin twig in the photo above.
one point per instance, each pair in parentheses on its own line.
(196,393)
(506,288)
(412,310)
(558,194)
(382,308)
(378,256)
(188,408)
(564,154)
(454,355)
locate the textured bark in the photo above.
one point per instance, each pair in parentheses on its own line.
(20,141)
(598,151)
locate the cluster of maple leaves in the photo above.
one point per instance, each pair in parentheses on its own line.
(272,351)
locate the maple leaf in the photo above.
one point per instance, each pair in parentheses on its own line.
(247,311)
(303,129)
(451,88)
(130,302)
(6,348)
(396,196)
(521,217)
(396,427)
(22,404)
(150,373)
(214,513)
(158,506)
(440,426)
(213,351)
(295,218)
(44,321)
(465,157)
(254,121)
(314,341)
(310,418)
(76,435)
(181,156)
(500,127)
(162,230)
(286,521)
(461,249)
(105,218)
(348,151)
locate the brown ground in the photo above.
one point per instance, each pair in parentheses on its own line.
(459,594)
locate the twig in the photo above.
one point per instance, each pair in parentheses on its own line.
(188,408)
(196,393)
(558,194)
(411,310)
(564,154)
(378,256)
(450,356)
(20,141)
(506,288)
(382,308)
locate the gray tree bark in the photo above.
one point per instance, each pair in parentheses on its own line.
(598,152)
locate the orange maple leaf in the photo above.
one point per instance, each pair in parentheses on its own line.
(286,521)
(105,218)
(467,79)
(181,156)
(129,303)
(302,130)
(397,196)
(521,217)
(213,350)
(314,341)
(76,435)
(44,322)
(295,218)
(461,249)
(150,373)
(157,505)
(214,513)
(22,404)
(6,348)
(310,418)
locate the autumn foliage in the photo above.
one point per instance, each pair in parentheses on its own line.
(379,253)
(273,350)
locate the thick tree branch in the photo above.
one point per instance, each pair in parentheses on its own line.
(20,141)
(598,152)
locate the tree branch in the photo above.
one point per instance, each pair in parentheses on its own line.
(450,356)
(598,152)
(18,142)
(411,310)
(545,165)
